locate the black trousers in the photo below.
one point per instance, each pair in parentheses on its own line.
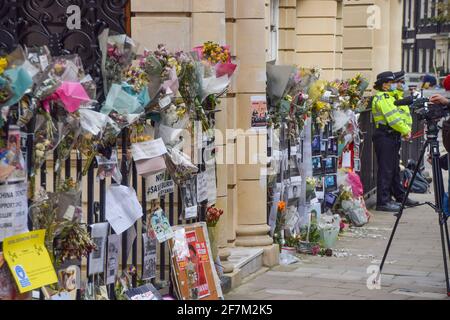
(387,149)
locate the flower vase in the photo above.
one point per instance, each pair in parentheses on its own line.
(213,233)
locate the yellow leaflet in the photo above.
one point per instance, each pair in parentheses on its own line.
(29,261)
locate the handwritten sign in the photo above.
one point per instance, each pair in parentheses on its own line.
(159,186)
(13,210)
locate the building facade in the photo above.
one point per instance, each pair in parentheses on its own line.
(341,37)
(425,41)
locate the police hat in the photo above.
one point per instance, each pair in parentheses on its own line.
(384,77)
(399,76)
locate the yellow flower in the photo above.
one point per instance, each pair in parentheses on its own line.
(3,65)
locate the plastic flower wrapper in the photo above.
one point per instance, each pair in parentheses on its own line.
(15,77)
(218,56)
(97,133)
(162,69)
(71,94)
(70,132)
(179,166)
(277,82)
(118,51)
(46,138)
(39,57)
(122,99)
(69,201)
(65,68)
(109,168)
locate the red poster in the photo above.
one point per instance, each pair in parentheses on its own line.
(198,255)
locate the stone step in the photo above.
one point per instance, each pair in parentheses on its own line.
(246,262)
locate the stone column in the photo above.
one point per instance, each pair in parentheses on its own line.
(358,40)
(395,29)
(252,229)
(286,46)
(316,37)
(208,24)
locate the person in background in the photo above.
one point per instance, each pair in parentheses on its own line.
(441,100)
(398,92)
(428,82)
(390,128)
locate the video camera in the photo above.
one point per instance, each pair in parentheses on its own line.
(424,109)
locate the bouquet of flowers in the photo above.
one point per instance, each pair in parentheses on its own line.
(351,93)
(213,216)
(179,166)
(118,51)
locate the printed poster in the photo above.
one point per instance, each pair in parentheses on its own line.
(29,260)
(99,233)
(13,210)
(161,226)
(112,266)
(259,112)
(195,275)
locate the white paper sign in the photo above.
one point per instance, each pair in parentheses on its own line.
(114,244)
(122,207)
(191,212)
(202,187)
(211,184)
(158,186)
(99,232)
(148,149)
(346,160)
(13,210)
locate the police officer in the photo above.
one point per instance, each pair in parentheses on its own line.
(390,128)
(398,92)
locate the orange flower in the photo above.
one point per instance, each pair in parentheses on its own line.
(281,206)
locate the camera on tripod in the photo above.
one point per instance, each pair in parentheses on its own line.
(424,109)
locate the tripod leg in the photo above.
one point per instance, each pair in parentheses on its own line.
(444,251)
(400,213)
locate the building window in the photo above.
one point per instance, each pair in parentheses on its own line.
(411,60)
(427,60)
(272,52)
(412,13)
(406,16)
(422,9)
(405,60)
(420,64)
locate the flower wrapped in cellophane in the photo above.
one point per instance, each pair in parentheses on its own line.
(179,166)
(98,136)
(16,77)
(118,52)
(65,238)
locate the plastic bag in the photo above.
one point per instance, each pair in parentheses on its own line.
(109,168)
(355,212)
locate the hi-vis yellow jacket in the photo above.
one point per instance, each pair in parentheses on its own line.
(385,112)
(404,110)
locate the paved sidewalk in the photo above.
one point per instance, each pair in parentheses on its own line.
(414,267)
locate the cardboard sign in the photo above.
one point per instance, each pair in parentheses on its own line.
(159,186)
(29,261)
